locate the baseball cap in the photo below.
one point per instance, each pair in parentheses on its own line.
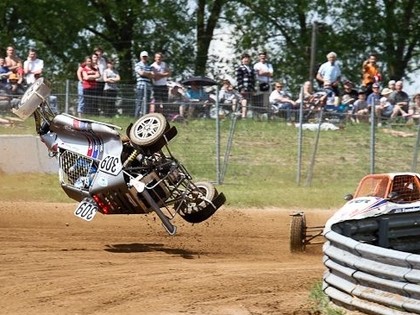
(144,54)
(375,85)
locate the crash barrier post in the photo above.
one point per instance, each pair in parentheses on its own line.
(373,264)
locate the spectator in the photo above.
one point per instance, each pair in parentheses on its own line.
(245,78)
(89,74)
(16,88)
(144,75)
(160,80)
(177,97)
(374,97)
(281,102)
(414,110)
(33,67)
(4,72)
(348,89)
(264,72)
(360,107)
(330,71)
(383,110)
(348,96)
(391,85)
(111,77)
(399,99)
(14,63)
(80,98)
(198,100)
(101,63)
(370,73)
(229,96)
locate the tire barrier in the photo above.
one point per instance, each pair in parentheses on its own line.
(373,264)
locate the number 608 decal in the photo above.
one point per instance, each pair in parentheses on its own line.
(110,165)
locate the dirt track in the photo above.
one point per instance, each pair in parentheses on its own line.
(236,263)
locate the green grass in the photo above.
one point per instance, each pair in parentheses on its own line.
(321,301)
(262,169)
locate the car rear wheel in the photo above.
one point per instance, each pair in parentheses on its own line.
(197,206)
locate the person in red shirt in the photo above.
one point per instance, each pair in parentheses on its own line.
(89,75)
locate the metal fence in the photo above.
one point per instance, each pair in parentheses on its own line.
(373,265)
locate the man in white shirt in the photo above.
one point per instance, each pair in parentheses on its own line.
(32,67)
(330,71)
(264,72)
(160,80)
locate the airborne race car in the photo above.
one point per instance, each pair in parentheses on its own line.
(116,174)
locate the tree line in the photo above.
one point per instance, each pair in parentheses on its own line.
(64,32)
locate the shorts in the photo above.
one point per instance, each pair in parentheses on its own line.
(160,93)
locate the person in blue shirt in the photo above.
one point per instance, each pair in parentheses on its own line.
(198,101)
(144,76)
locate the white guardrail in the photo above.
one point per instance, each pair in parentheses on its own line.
(373,264)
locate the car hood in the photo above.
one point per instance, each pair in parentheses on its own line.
(365,207)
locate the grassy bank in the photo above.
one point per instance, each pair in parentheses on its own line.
(263,162)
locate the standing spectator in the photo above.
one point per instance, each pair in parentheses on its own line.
(14,63)
(370,73)
(160,80)
(264,72)
(101,64)
(32,67)
(89,74)
(399,99)
(281,102)
(144,75)
(80,98)
(245,78)
(111,78)
(4,72)
(330,71)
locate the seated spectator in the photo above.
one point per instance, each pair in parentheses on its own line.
(360,107)
(198,102)
(229,96)
(308,94)
(176,96)
(414,110)
(348,89)
(383,110)
(280,101)
(400,100)
(374,97)
(4,73)
(391,85)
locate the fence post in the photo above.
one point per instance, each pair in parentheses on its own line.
(67,95)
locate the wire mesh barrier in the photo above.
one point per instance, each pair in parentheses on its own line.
(229,148)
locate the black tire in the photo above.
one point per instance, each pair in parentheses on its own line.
(297,233)
(148,129)
(195,208)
